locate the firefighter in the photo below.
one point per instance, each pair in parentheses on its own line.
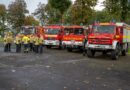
(8,39)
(31,44)
(41,40)
(18,43)
(84,44)
(5,43)
(36,44)
(25,41)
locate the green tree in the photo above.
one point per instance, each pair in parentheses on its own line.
(61,5)
(102,16)
(68,20)
(82,11)
(47,14)
(119,9)
(17,11)
(30,20)
(53,15)
(40,12)
(3,15)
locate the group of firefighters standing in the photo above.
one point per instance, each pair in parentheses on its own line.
(33,43)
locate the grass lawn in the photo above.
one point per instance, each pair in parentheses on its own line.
(1,39)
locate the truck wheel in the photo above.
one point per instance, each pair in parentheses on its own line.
(60,47)
(64,47)
(69,49)
(123,53)
(48,47)
(115,53)
(90,53)
(104,52)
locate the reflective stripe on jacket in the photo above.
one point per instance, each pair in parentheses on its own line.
(25,40)
(18,40)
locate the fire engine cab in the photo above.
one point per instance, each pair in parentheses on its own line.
(108,37)
(53,36)
(28,29)
(73,37)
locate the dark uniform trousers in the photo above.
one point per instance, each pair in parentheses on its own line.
(36,48)
(18,48)
(26,47)
(41,48)
(84,43)
(7,47)
(31,46)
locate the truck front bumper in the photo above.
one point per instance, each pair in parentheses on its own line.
(99,47)
(72,44)
(52,42)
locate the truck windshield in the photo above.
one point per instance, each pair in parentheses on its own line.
(52,31)
(75,31)
(78,31)
(28,31)
(104,29)
(68,31)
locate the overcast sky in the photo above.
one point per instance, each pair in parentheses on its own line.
(32,4)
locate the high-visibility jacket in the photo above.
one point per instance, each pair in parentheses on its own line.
(36,41)
(41,40)
(32,39)
(18,40)
(8,39)
(5,40)
(25,40)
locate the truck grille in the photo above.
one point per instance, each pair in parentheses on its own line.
(50,38)
(100,41)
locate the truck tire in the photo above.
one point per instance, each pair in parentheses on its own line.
(60,47)
(90,53)
(123,53)
(104,52)
(115,53)
(48,46)
(69,49)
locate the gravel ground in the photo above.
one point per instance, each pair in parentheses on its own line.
(61,70)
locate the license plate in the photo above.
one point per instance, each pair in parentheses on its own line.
(72,41)
(49,42)
(100,46)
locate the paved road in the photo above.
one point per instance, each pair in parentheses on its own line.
(60,70)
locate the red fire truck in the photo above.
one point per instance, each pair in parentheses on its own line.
(39,30)
(27,30)
(53,36)
(108,37)
(73,37)
(31,31)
